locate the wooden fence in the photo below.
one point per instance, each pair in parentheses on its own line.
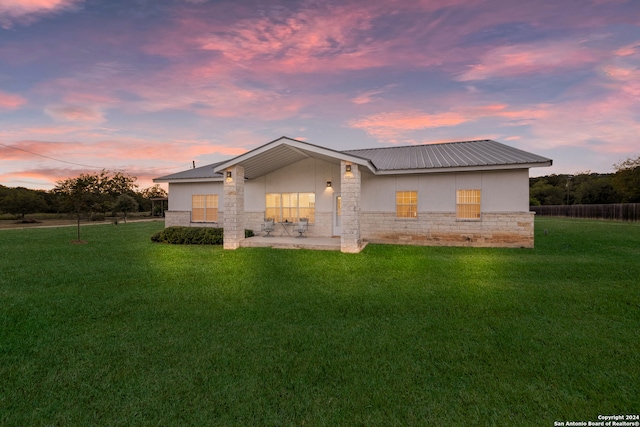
(614,211)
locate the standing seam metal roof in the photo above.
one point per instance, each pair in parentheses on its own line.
(447,155)
(412,157)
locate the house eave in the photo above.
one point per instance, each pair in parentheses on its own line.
(477,168)
(187,180)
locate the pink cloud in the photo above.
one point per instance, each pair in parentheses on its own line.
(75,113)
(628,50)
(531,58)
(11,101)
(391,127)
(397,126)
(28,11)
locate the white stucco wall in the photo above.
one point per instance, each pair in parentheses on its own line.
(502,191)
(180,194)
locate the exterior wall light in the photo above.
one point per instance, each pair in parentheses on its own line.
(228,174)
(348,168)
(328,184)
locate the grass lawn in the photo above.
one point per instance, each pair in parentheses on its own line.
(122,331)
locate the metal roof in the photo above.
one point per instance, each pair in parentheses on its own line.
(448,155)
(466,155)
(196,174)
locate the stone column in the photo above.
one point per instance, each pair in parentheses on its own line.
(233,207)
(350,182)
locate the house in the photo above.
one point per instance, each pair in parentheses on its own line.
(471,193)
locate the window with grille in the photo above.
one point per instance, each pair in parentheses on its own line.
(290,206)
(204,208)
(468,204)
(406,204)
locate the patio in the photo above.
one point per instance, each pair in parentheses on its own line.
(286,242)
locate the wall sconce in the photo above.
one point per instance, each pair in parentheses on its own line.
(229,174)
(328,184)
(348,168)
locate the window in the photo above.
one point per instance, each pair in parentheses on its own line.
(406,204)
(290,206)
(468,204)
(204,208)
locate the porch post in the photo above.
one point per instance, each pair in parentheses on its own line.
(350,182)
(233,207)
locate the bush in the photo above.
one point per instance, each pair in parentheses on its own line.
(192,235)
(189,236)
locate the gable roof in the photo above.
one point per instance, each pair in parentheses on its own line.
(444,157)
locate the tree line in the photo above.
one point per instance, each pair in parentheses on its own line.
(95,194)
(586,188)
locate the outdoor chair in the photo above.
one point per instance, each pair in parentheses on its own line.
(302,226)
(269,225)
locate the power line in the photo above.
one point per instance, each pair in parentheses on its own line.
(50,158)
(73,163)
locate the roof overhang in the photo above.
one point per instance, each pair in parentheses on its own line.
(478,168)
(179,180)
(285,151)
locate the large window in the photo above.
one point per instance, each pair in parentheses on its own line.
(406,204)
(204,208)
(468,204)
(290,206)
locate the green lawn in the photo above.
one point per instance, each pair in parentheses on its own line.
(121,331)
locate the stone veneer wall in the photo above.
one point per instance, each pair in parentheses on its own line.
(351,183)
(511,229)
(183,219)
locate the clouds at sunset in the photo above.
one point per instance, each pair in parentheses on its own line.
(9,101)
(27,11)
(152,86)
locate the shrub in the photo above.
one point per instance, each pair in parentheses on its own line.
(192,235)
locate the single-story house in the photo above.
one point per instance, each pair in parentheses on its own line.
(470,193)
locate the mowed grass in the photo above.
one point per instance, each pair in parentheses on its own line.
(122,331)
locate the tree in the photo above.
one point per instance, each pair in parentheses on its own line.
(78,194)
(91,192)
(546,194)
(21,201)
(593,188)
(145,196)
(125,204)
(626,179)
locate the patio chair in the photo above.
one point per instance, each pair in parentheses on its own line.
(269,225)
(302,226)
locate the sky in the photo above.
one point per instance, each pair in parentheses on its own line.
(148,87)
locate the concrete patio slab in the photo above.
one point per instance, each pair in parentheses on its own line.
(286,242)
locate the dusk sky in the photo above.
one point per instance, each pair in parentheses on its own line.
(146,87)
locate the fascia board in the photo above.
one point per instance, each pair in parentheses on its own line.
(180,180)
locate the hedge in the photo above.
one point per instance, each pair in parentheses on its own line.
(192,235)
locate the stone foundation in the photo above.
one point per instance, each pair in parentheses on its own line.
(183,219)
(508,230)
